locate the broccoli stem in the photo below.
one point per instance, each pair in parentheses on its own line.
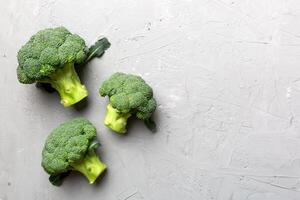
(91,166)
(116,120)
(68,85)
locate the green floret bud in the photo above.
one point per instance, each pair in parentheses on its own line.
(116,120)
(91,166)
(68,85)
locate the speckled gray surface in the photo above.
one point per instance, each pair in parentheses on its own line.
(227,78)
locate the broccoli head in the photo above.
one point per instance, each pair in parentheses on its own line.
(71,147)
(49,57)
(128,95)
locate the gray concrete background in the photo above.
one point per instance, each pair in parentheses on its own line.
(226,75)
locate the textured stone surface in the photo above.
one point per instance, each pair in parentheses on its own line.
(227,78)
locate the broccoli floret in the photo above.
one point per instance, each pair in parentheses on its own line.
(49,57)
(128,95)
(71,147)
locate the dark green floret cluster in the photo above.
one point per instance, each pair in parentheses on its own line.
(128,95)
(71,147)
(47,51)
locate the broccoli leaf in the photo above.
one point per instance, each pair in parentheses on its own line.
(94,144)
(98,49)
(151,125)
(57,180)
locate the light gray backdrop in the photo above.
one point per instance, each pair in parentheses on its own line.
(226,74)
